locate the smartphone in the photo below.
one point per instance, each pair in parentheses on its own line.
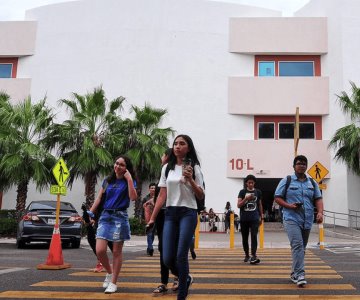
(186,162)
(298,204)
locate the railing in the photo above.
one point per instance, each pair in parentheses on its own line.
(215,223)
(343,223)
(354,218)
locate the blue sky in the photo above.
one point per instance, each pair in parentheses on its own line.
(14,10)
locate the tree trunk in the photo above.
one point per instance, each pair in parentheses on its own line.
(90,185)
(21,196)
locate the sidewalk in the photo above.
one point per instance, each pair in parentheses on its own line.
(274,237)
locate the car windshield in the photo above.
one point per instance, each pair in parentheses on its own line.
(50,205)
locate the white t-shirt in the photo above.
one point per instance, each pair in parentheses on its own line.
(179,193)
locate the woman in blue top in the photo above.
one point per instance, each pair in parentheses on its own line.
(179,186)
(119,189)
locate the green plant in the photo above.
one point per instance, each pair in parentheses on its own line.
(137,226)
(8,222)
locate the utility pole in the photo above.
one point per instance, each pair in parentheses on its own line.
(296,131)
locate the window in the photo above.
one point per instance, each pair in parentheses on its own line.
(306,130)
(266,68)
(286,130)
(282,127)
(266,130)
(296,68)
(287,65)
(5,70)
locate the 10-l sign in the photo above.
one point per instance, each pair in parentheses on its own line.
(240,164)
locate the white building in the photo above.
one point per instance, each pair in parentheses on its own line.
(231,76)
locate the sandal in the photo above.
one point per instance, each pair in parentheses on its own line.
(175,286)
(160,290)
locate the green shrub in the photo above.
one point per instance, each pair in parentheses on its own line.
(8,222)
(137,226)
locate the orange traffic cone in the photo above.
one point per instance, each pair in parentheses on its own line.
(55,259)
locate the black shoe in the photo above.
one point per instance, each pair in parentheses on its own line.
(151,252)
(193,254)
(247,258)
(189,281)
(254,260)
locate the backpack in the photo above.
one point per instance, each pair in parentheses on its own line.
(288,181)
(199,202)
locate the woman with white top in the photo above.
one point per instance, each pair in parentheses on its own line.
(179,186)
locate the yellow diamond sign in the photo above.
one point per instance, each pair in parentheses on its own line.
(318,171)
(61,172)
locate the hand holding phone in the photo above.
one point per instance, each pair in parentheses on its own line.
(298,204)
(186,162)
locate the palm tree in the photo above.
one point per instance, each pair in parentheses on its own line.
(146,144)
(23,127)
(4,106)
(90,139)
(347,139)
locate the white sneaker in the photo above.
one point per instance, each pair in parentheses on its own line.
(301,282)
(112,288)
(108,278)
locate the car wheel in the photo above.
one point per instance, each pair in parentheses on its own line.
(65,244)
(75,244)
(20,244)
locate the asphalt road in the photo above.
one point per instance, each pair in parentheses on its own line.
(219,273)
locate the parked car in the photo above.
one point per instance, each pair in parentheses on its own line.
(37,224)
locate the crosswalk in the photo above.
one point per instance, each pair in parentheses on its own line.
(218,274)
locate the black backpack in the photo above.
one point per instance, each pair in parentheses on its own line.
(288,181)
(199,202)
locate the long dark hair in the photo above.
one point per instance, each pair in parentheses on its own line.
(191,154)
(129,167)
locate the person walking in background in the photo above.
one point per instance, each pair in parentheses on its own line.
(298,195)
(251,215)
(227,213)
(148,205)
(276,212)
(119,189)
(159,225)
(213,218)
(91,226)
(179,184)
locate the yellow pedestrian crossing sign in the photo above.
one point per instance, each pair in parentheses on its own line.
(318,171)
(61,172)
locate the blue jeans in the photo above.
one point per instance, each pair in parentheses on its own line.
(150,240)
(298,238)
(179,227)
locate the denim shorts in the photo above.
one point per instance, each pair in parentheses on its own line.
(113,226)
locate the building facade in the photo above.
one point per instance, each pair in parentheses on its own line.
(231,76)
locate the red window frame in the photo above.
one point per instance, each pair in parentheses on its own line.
(13,61)
(278,58)
(288,119)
